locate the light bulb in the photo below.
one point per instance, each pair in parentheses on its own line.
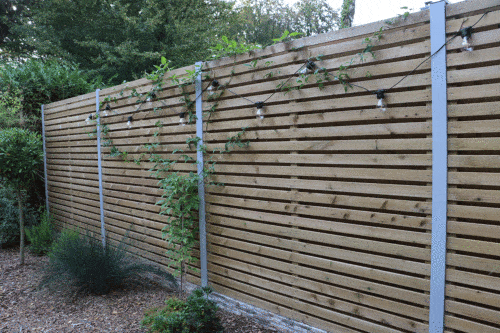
(466,45)
(381,102)
(129,122)
(182,120)
(260,110)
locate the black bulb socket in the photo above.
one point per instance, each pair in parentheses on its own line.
(91,116)
(380,94)
(182,115)
(310,65)
(466,32)
(259,105)
(108,108)
(130,118)
(215,83)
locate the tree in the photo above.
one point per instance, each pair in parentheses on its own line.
(347,13)
(261,21)
(314,17)
(121,39)
(12,14)
(21,155)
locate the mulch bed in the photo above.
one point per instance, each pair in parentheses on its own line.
(26,308)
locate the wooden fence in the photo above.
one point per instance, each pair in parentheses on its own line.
(326,217)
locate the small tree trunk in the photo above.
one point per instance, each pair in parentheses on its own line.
(347,13)
(182,262)
(21,224)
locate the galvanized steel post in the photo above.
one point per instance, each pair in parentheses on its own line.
(99,167)
(45,161)
(201,181)
(439,166)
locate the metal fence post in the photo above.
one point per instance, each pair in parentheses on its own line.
(45,161)
(439,167)
(99,167)
(201,181)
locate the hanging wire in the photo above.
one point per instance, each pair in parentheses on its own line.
(432,55)
(361,87)
(276,90)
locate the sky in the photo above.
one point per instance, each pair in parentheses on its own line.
(375,10)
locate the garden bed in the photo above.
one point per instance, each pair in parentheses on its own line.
(26,308)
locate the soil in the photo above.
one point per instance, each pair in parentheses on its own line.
(26,308)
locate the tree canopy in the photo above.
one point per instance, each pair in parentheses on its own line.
(122,39)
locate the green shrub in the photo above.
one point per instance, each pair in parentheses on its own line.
(197,314)
(44,81)
(82,261)
(41,236)
(9,217)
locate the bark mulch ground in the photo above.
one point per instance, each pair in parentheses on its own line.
(26,308)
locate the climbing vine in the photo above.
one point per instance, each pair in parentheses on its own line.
(179,200)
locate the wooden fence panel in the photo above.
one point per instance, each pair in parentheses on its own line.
(473,258)
(325,217)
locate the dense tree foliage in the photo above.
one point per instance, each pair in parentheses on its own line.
(12,14)
(120,39)
(25,86)
(261,21)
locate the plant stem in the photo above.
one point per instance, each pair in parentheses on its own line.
(182,261)
(21,224)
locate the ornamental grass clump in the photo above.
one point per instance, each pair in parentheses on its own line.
(81,261)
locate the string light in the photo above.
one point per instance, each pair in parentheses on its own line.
(182,121)
(260,110)
(129,122)
(466,34)
(308,68)
(381,103)
(213,87)
(106,109)
(152,96)
(89,118)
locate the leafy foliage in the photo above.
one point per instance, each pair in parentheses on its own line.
(21,155)
(39,81)
(10,108)
(196,315)
(227,48)
(41,236)
(20,159)
(83,262)
(119,39)
(12,14)
(261,22)
(9,216)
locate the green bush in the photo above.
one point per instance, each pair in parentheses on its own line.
(9,217)
(44,81)
(41,236)
(82,261)
(197,314)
